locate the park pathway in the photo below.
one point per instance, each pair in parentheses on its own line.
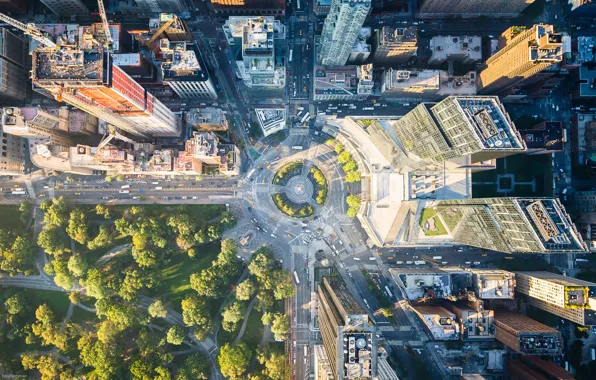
(245,321)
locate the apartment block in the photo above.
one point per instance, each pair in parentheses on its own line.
(271,120)
(471,8)
(418,283)
(261,66)
(493,283)
(66,7)
(322,365)
(348,337)
(523,225)
(544,138)
(566,297)
(184,70)
(395,45)
(343,82)
(340,31)
(475,323)
(439,321)
(425,84)
(526,54)
(204,150)
(460,49)
(534,368)
(207,119)
(322,7)
(525,335)
(13,81)
(12,153)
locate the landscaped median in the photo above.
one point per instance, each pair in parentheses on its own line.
(318,179)
(431,223)
(287,171)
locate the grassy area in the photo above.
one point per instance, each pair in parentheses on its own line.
(254,329)
(201,213)
(430,215)
(525,169)
(14,221)
(224,336)
(81,315)
(57,301)
(174,283)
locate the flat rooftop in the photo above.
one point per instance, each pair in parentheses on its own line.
(443,47)
(586,47)
(587,76)
(336,80)
(392,36)
(207,115)
(411,81)
(440,322)
(457,84)
(558,278)
(270,117)
(68,64)
(494,283)
(185,63)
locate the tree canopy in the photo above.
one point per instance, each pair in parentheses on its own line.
(233,360)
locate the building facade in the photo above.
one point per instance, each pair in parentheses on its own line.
(340,31)
(343,82)
(12,48)
(471,8)
(13,81)
(184,70)
(12,153)
(66,7)
(522,225)
(394,46)
(526,54)
(566,297)
(250,7)
(158,6)
(525,335)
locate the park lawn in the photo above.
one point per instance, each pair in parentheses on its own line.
(80,315)
(224,336)
(93,255)
(11,218)
(174,282)
(201,213)
(254,328)
(57,301)
(429,213)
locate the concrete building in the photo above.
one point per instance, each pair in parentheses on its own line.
(471,8)
(566,297)
(12,156)
(581,8)
(184,70)
(585,82)
(583,137)
(425,84)
(13,81)
(474,323)
(395,46)
(439,321)
(271,120)
(66,7)
(544,138)
(207,119)
(159,6)
(176,29)
(523,225)
(348,337)
(137,67)
(340,31)
(250,7)
(418,283)
(526,54)
(342,82)
(534,368)
(204,151)
(493,283)
(525,335)
(260,67)
(322,7)
(451,48)
(12,48)
(322,365)
(361,48)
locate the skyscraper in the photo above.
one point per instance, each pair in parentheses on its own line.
(511,224)
(13,75)
(249,7)
(12,158)
(566,297)
(472,8)
(340,31)
(525,335)
(393,46)
(349,340)
(526,53)
(157,6)
(66,7)
(457,126)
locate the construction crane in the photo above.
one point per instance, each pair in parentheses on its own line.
(31,30)
(106,26)
(161,29)
(113,134)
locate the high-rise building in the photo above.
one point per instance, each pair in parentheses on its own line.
(474,323)
(449,48)
(13,73)
(207,154)
(582,8)
(524,55)
(158,6)
(439,321)
(250,7)
(455,127)
(260,67)
(184,70)
(343,82)
(207,119)
(395,46)
(525,225)
(322,365)
(12,156)
(66,7)
(12,48)
(91,82)
(361,48)
(567,297)
(349,339)
(472,8)
(493,283)
(534,368)
(36,123)
(340,31)
(525,335)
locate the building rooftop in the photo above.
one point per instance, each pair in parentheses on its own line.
(443,47)
(183,62)
(67,65)
(558,278)
(587,76)
(270,117)
(411,81)
(360,45)
(391,35)
(340,292)
(549,46)
(336,80)
(547,136)
(521,323)
(422,282)
(493,283)
(255,31)
(358,351)
(440,321)
(207,115)
(586,49)
(457,84)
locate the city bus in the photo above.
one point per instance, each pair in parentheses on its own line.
(291,52)
(296,277)
(306,116)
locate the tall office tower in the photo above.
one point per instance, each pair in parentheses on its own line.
(205,148)
(532,367)
(525,225)
(91,82)
(455,127)
(472,8)
(349,341)
(260,67)
(13,74)
(492,284)
(66,7)
(157,6)
(524,55)
(250,7)
(12,158)
(184,70)
(340,31)
(395,46)
(525,335)
(36,123)
(564,296)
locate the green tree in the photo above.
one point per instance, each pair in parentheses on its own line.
(107,332)
(208,282)
(55,212)
(49,367)
(344,157)
(62,275)
(275,363)
(353,176)
(338,148)
(102,210)
(122,315)
(50,331)
(195,367)
(176,335)
(74,297)
(132,284)
(352,212)
(120,178)
(69,179)
(233,360)
(353,200)
(105,358)
(109,178)
(330,141)
(96,284)
(284,288)
(77,265)
(192,252)
(232,315)
(246,290)
(53,240)
(103,238)
(78,226)
(267,319)
(15,304)
(145,258)
(158,309)
(20,255)
(280,327)
(349,166)
(195,312)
